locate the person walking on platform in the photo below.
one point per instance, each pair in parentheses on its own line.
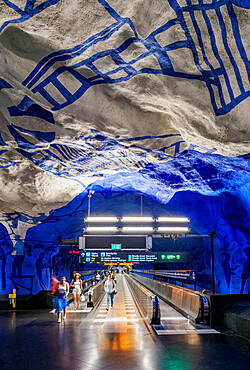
(113,276)
(110,289)
(53,290)
(97,277)
(76,283)
(62,298)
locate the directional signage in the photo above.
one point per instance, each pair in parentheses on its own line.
(143,257)
(116,246)
(172,256)
(102,257)
(117,256)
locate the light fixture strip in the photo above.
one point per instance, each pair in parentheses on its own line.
(137,219)
(101,219)
(173,219)
(173,229)
(100,229)
(137,229)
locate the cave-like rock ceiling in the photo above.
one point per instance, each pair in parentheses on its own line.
(140,95)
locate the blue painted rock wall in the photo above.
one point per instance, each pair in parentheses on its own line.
(225,211)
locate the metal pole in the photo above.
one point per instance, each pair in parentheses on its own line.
(212,260)
(91,192)
(89,204)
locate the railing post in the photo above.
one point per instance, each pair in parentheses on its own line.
(212,235)
(90,302)
(156,319)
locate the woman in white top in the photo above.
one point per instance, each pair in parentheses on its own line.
(62,298)
(76,283)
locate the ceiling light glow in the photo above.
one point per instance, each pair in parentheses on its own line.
(137,219)
(137,229)
(101,219)
(100,229)
(173,219)
(173,230)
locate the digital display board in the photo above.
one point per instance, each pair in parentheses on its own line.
(118,242)
(133,257)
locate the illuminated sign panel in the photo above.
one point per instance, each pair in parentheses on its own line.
(172,256)
(116,246)
(143,257)
(134,257)
(104,257)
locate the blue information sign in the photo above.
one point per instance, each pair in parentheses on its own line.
(117,256)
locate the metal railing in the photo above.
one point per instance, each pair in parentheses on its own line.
(147,301)
(88,283)
(95,293)
(185,277)
(85,274)
(192,304)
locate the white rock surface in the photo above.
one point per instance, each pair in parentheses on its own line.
(143,105)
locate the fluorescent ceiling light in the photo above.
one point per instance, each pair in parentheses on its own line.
(173,219)
(100,229)
(137,219)
(137,229)
(101,219)
(178,230)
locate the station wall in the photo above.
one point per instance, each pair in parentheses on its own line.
(38,256)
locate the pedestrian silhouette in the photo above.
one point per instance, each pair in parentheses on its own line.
(228,271)
(17,265)
(40,266)
(246,269)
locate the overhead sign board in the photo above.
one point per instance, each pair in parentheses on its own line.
(117,256)
(115,242)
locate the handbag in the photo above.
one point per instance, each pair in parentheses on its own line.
(115,291)
(71,289)
(82,298)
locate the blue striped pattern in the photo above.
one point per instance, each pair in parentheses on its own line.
(92,155)
(223,69)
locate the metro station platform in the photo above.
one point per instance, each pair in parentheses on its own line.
(119,338)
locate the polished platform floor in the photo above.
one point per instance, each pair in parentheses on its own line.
(115,339)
